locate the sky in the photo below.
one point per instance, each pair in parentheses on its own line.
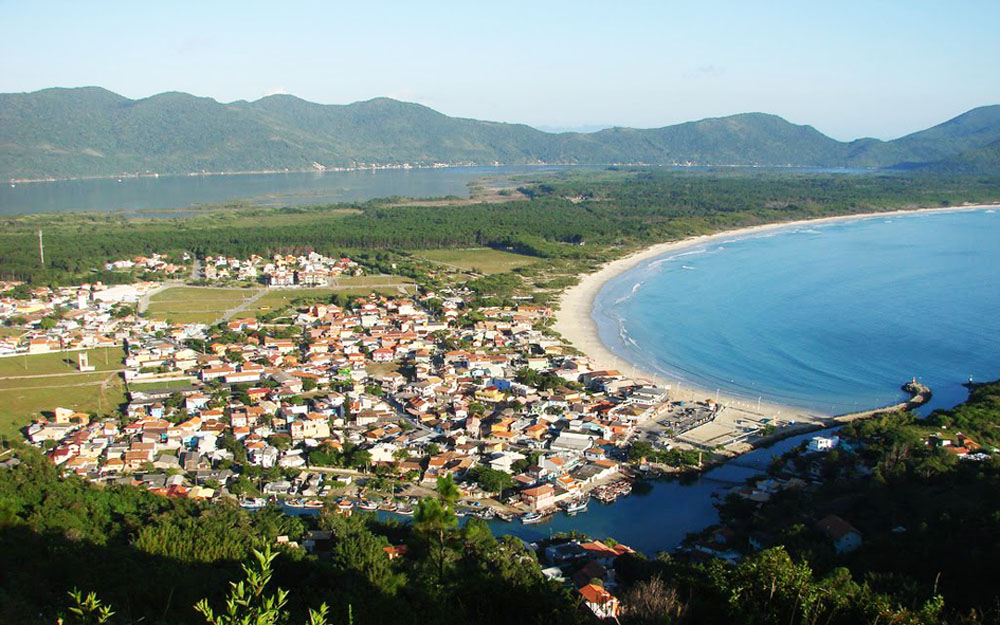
(849,68)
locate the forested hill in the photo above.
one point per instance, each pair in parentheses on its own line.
(93,132)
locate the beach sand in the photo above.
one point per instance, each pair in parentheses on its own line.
(574,322)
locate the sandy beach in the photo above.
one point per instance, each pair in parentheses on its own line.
(574,322)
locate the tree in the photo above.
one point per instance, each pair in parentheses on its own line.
(247,603)
(435,519)
(491,480)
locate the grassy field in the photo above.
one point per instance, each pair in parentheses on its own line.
(193,293)
(101,358)
(479,260)
(86,393)
(365,281)
(280,299)
(196,305)
(169,384)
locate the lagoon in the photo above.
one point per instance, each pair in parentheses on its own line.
(183,195)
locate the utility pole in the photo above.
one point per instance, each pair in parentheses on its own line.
(41,248)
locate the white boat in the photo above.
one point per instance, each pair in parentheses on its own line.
(404,510)
(577,506)
(365,504)
(253,503)
(534,517)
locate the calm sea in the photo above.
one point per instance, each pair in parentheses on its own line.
(830,317)
(132,195)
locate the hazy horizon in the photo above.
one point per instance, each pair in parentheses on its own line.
(850,70)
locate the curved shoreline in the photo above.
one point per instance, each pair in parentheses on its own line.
(574,320)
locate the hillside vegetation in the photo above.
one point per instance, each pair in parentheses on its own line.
(94,132)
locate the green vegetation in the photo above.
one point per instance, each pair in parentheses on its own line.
(33,384)
(101,358)
(91,131)
(151,559)
(478,260)
(623,210)
(24,400)
(196,304)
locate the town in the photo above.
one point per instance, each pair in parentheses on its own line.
(369,401)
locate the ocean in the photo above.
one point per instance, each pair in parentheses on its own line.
(828,317)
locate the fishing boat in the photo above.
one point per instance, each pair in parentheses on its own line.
(576,507)
(503,516)
(534,517)
(366,504)
(344,505)
(295,503)
(486,514)
(313,503)
(253,503)
(388,505)
(405,510)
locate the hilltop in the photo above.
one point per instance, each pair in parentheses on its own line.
(91,131)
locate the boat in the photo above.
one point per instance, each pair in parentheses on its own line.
(345,504)
(575,507)
(366,504)
(534,517)
(486,514)
(313,503)
(405,510)
(503,516)
(389,505)
(253,503)
(295,503)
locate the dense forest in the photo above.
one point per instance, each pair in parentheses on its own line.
(151,559)
(90,131)
(588,216)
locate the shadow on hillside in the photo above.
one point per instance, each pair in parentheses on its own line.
(36,571)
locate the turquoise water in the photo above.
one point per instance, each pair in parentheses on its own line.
(131,195)
(831,318)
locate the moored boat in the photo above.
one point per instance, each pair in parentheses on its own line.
(576,507)
(253,503)
(366,504)
(534,517)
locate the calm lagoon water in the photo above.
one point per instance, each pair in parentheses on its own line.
(829,317)
(291,189)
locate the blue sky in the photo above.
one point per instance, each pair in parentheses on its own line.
(850,69)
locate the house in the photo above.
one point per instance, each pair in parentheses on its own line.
(540,497)
(844,536)
(599,601)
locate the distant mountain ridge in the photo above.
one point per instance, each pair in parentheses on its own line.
(91,131)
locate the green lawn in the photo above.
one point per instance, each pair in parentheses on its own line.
(196,305)
(191,294)
(365,281)
(101,358)
(480,260)
(20,405)
(280,299)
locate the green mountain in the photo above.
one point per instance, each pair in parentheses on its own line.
(980,161)
(93,132)
(969,131)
